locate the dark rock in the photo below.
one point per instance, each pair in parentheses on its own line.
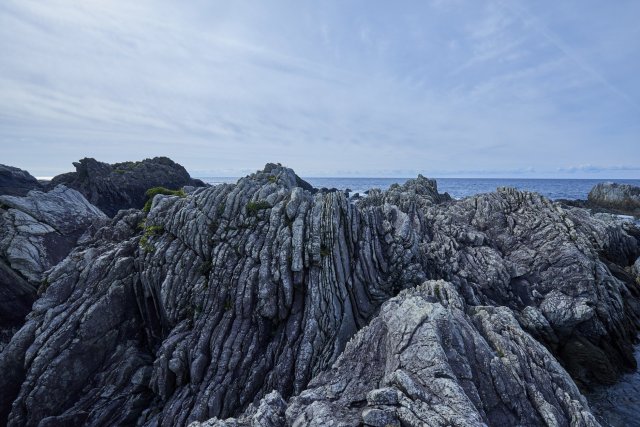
(123,185)
(16,182)
(621,198)
(221,303)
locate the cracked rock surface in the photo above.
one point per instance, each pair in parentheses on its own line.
(36,232)
(235,305)
(620,197)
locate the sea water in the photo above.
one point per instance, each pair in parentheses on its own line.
(572,189)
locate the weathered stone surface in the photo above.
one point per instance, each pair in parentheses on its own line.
(37,231)
(442,363)
(211,302)
(623,198)
(16,182)
(123,185)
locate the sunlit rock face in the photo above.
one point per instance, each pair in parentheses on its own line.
(236,293)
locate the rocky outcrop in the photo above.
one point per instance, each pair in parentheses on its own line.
(621,198)
(16,182)
(227,301)
(561,271)
(37,231)
(113,187)
(428,359)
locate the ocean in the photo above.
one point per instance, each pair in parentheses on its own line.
(458,188)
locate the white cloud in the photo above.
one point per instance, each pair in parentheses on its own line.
(452,87)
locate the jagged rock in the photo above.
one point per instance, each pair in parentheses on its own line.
(214,300)
(622,198)
(123,185)
(38,231)
(16,182)
(441,363)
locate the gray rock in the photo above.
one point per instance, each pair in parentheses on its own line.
(448,366)
(622,198)
(16,182)
(123,185)
(38,231)
(219,305)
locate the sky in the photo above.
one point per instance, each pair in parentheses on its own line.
(476,88)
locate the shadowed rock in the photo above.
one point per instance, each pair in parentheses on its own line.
(37,231)
(16,182)
(123,185)
(215,300)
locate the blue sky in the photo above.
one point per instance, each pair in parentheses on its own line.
(330,88)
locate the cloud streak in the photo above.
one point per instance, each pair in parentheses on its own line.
(450,88)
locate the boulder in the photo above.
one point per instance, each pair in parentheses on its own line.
(620,198)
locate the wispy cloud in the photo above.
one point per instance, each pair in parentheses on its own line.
(446,87)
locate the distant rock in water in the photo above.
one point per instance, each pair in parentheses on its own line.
(123,185)
(623,198)
(16,182)
(37,231)
(276,304)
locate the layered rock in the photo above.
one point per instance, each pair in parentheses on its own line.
(16,182)
(37,231)
(561,271)
(113,187)
(236,292)
(429,360)
(623,198)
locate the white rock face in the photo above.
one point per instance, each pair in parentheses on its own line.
(36,232)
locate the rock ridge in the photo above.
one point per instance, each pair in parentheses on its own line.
(243,300)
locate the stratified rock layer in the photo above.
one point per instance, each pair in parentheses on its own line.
(36,232)
(429,360)
(123,185)
(236,292)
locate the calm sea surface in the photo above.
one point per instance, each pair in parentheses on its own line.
(463,187)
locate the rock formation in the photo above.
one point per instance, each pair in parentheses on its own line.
(240,301)
(16,182)
(37,231)
(622,198)
(610,198)
(123,185)
(429,359)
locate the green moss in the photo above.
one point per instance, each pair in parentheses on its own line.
(152,192)
(436,290)
(149,231)
(120,171)
(205,268)
(44,285)
(273,178)
(324,251)
(254,207)
(228,305)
